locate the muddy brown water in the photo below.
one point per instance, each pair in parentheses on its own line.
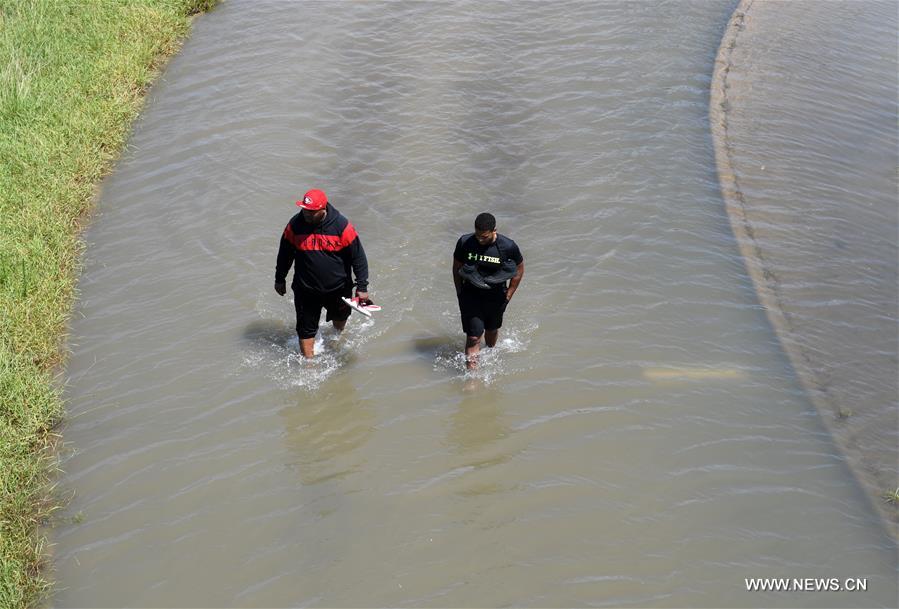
(820,239)
(638,438)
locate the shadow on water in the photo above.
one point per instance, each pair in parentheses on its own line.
(264,332)
(434,346)
(445,354)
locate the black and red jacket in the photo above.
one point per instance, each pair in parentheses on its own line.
(324,254)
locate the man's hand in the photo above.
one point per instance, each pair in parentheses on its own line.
(363,298)
(281,287)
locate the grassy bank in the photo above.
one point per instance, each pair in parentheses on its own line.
(72,78)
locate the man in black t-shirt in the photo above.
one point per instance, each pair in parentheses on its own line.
(483,262)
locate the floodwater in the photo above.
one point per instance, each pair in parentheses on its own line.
(821,238)
(638,437)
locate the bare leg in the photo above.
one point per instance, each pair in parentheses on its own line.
(472,348)
(307,346)
(490,337)
(339,324)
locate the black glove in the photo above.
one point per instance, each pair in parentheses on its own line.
(281,287)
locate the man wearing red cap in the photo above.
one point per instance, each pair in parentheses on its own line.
(325,247)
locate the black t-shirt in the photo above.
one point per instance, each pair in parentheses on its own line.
(487,258)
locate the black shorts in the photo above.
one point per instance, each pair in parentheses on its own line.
(481,310)
(309,309)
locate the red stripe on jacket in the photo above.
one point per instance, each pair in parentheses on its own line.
(319,242)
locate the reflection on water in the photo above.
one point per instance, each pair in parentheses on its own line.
(324,434)
(476,435)
(477,423)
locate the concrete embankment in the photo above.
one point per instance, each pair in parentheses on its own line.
(799,106)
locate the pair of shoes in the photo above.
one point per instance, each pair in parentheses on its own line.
(505,273)
(469,273)
(365,307)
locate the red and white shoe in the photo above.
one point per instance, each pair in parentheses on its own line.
(366,309)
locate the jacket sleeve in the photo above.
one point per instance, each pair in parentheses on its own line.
(360,264)
(285,258)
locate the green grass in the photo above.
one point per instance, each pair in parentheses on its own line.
(73,74)
(891,497)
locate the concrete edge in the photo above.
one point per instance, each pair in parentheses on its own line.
(763,279)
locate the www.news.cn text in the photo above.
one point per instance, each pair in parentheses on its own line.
(806,584)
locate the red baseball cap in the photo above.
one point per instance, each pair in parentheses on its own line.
(313,200)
